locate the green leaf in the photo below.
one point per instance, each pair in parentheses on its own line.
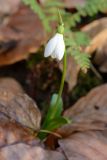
(54,124)
(57,122)
(49,115)
(59,107)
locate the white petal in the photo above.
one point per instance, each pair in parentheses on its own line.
(53,55)
(50,47)
(60,47)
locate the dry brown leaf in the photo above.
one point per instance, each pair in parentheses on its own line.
(17,106)
(8,7)
(17,111)
(11,133)
(10,84)
(97,30)
(85,146)
(95,27)
(89,113)
(20,108)
(23,151)
(97,42)
(22,35)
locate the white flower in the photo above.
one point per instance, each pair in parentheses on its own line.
(55,47)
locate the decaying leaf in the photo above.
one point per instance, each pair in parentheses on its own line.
(14,113)
(20,108)
(17,106)
(85,146)
(22,35)
(89,113)
(10,84)
(8,6)
(95,27)
(97,31)
(97,42)
(11,133)
(21,151)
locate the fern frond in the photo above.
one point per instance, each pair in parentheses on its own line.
(74,49)
(91,8)
(81,58)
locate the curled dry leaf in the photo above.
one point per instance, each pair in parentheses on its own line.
(11,133)
(97,31)
(10,84)
(22,35)
(85,146)
(97,42)
(23,151)
(95,27)
(17,106)
(12,113)
(8,7)
(89,113)
(20,108)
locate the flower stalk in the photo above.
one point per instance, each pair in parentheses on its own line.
(61,85)
(56,49)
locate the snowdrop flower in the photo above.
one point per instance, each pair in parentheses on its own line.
(55,47)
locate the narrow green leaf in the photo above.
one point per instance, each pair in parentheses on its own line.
(54,124)
(51,108)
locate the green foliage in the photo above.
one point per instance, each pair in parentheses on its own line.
(53,122)
(75,42)
(76,39)
(91,8)
(81,58)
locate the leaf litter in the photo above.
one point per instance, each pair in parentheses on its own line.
(85,138)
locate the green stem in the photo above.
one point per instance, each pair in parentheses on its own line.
(61,85)
(53,113)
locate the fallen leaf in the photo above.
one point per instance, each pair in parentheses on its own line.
(97,42)
(95,27)
(97,31)
(18,113)
(22,35)
(88,113)
(85,146)
(20,108)
(11,133)
(17,106)
(8,7)
(22,151)
(10,84)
